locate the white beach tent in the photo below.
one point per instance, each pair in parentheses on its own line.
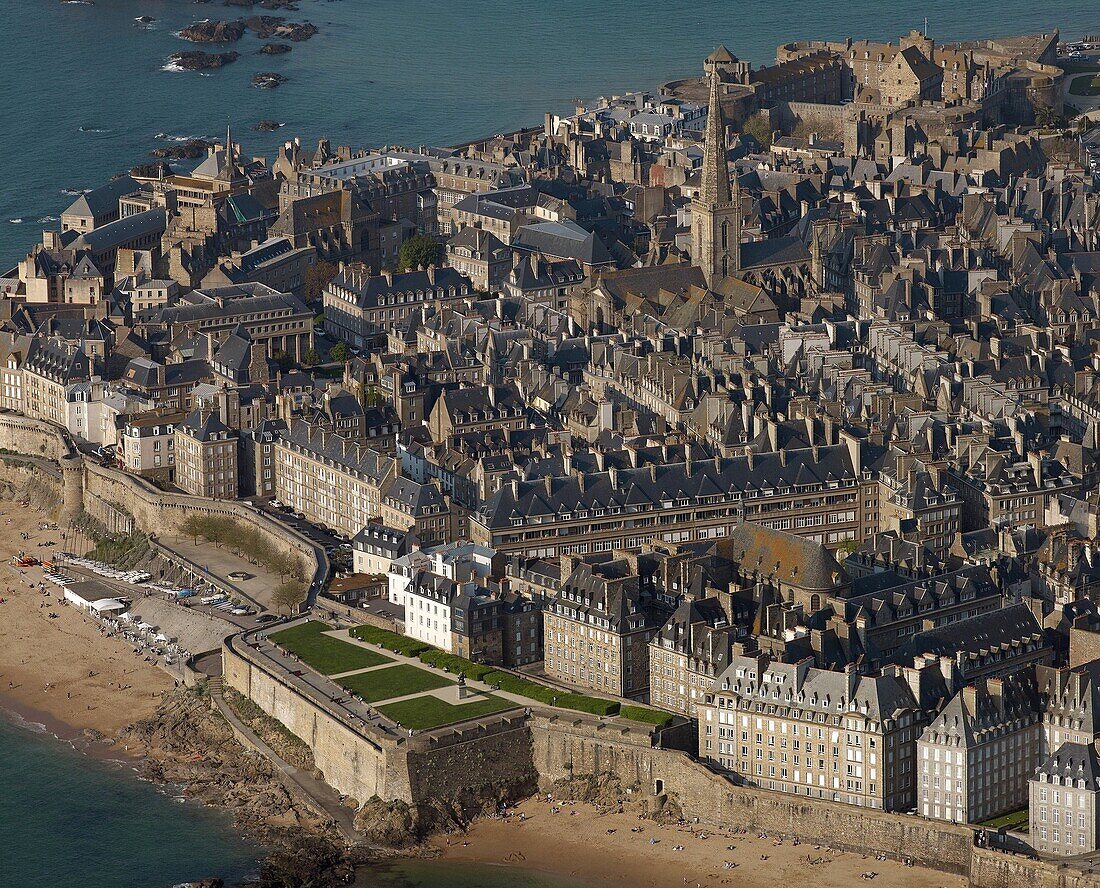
(109,606)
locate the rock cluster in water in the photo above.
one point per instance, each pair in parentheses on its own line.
(214,32)
(268,80)
(189,150)
(194,60)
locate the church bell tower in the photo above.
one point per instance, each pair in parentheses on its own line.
(716,209)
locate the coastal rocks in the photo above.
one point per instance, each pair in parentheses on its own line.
(274,49)
(145,20)
(268,80)
(193,60)
(188,743)
(290,5)
(214,32)
(158,169)
(266,126)
(189,150)
(392,824)
(267,26)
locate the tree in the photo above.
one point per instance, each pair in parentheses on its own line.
(317,277)
(339,352)
(760,128)
(311,357)
(418,251)
(287,595)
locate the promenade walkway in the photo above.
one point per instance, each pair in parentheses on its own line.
(299,783)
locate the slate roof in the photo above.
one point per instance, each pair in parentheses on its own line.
(206,427)
(102,201)
(641,489)
(1074,761)
(121,231)
(563,240)
(774,251)
(812,692)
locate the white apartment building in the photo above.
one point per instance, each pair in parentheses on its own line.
(424,584)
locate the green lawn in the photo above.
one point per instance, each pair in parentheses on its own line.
(1014,820)
(393,681)
(402,644)
(1085,85)
(422,713)
(325,654)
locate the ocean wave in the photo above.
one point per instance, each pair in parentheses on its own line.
(172,66)
(92,129)
(25,723)
(48,219)
(169,137)
(72,192)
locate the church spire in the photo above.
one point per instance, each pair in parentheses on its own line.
(716,209)
(715,184)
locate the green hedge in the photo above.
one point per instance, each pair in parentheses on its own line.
(441,660)
(642,714)
(551,696)
(401,644)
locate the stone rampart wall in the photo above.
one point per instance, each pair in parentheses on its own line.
(994,869)
(351,763)
(564,747)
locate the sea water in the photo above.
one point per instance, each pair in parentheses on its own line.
(85,93)
(68,819)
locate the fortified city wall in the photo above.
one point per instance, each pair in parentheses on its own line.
(124,502)
(473,765)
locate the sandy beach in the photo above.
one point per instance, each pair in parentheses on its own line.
(600,847)
(62,668)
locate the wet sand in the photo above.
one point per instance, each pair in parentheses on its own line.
(600,848)
(62,671)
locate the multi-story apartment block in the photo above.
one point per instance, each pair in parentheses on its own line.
(1064,802)
(361,307)
(976,757)
(279,323)
(376,547)
(1004,489)
(842,736)
(206,456)
(148,444)
(423,510)
(817,492)
(1071,702)
(50,368)
(688,653)
(330,479)
(446,601)
(257,459)
(920,503)
(480,256)
(597,629)
(886,620)
(14,349)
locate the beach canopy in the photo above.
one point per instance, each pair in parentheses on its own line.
(108,605)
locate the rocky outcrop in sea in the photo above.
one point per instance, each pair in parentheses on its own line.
(194,60)
(268,80)
(214,32)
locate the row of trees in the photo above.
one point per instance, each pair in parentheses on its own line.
(246,542)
